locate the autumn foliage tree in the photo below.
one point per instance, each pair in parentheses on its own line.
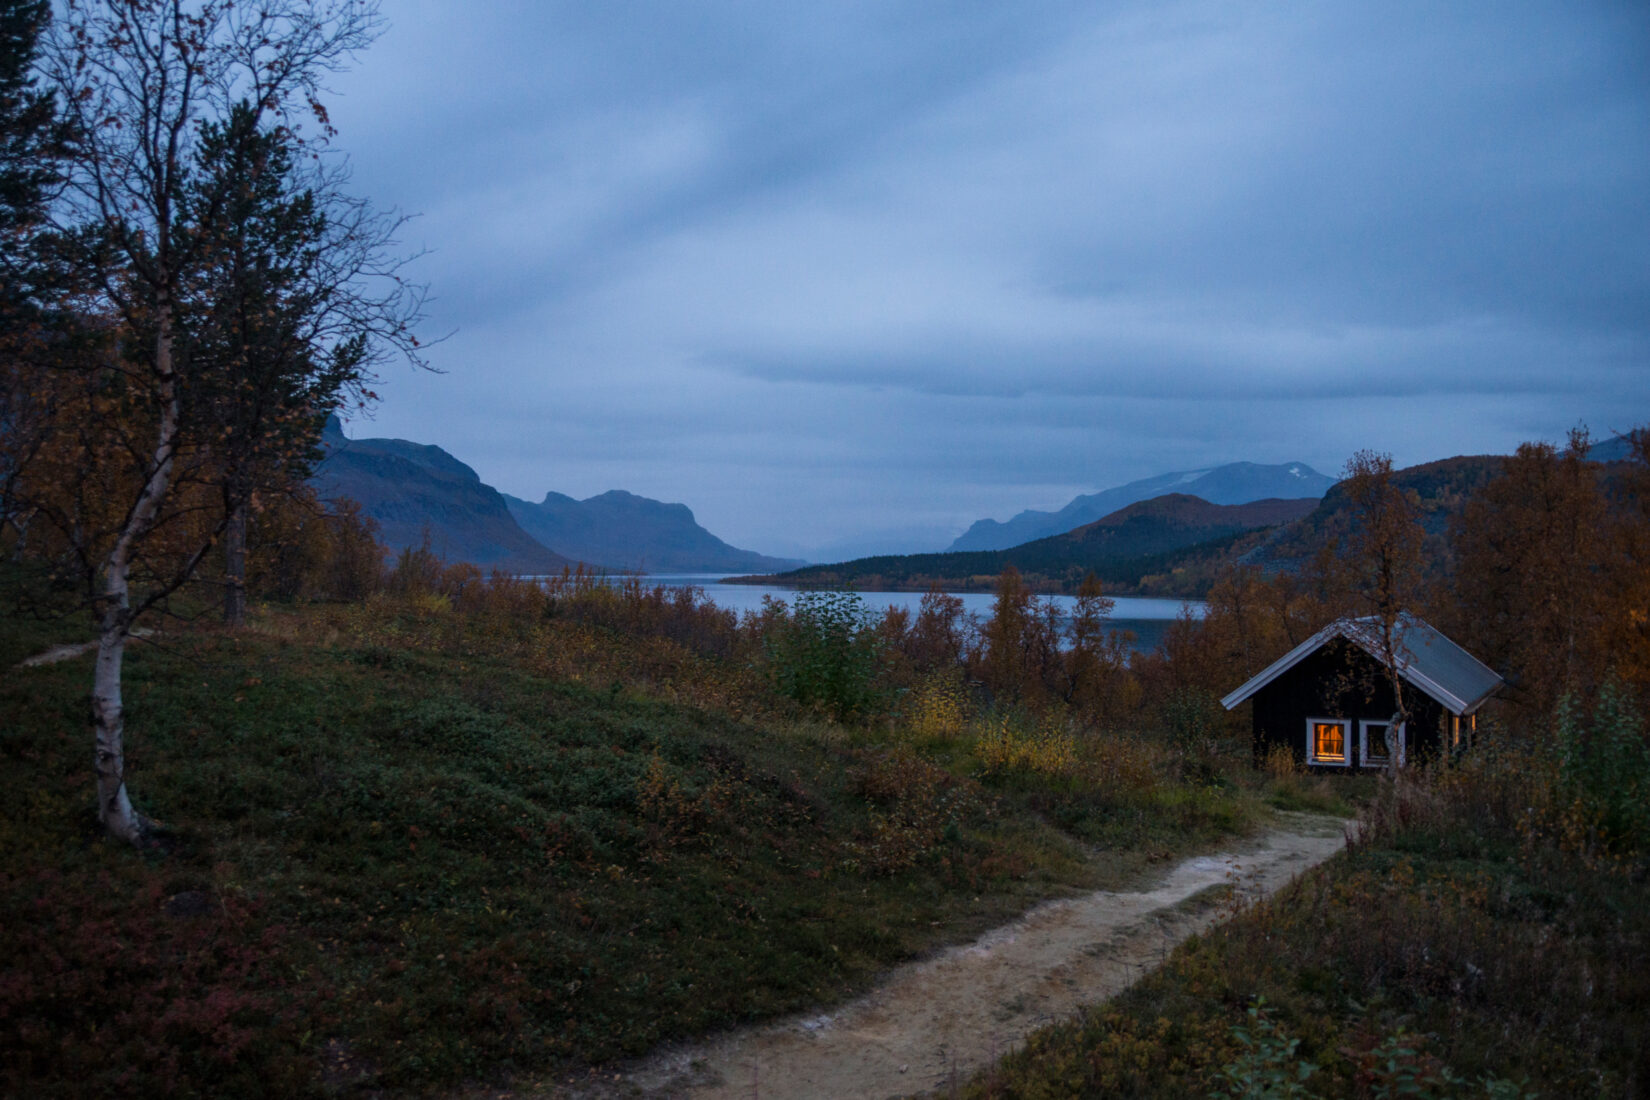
(1627,626)
(1553,580)
(1531,548)
(1093,674)
(1020,644)
(179,113)
(1380,567)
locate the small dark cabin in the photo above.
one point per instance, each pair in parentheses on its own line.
(1330,699)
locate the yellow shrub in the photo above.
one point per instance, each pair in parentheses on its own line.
(1049,750)
(941,709)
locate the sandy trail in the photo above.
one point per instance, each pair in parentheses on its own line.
(938,1020)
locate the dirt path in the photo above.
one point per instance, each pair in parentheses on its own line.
(938,1020)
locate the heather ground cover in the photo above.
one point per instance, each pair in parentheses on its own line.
(406,846)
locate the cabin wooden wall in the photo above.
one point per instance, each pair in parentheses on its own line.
(1340,681)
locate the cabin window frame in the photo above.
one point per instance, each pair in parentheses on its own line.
(1312,756)
(1363,741)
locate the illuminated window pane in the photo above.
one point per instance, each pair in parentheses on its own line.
(1329,741)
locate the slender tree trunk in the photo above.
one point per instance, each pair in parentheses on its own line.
(234,557)
(114,806)
(20,547)
(1398,725)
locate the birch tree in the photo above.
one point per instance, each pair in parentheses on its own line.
(138,80)
(1535,571)
(1383,561)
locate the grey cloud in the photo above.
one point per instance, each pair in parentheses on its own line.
(818,268)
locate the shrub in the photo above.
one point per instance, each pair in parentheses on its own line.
(940,709)
(1192,718)
(825,654)
(1269,1067)
(917,806)
(1004,746)
(1605,766)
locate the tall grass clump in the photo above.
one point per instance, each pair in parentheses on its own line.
(1045,752)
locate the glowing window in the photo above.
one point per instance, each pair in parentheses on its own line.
(1328,741)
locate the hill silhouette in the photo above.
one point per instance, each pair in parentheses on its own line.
(623,531)
(414,489)
(1121,548)
(1234,483)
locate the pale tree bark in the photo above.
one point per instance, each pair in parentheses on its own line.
(1386,566)
(234,565)
(114,804)
(137,80)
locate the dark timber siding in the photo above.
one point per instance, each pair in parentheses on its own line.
(1340,681)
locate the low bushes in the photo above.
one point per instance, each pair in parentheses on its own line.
(1484,936)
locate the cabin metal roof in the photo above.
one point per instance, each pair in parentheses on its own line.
(1425,658)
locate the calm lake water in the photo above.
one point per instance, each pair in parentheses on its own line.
(1148,618)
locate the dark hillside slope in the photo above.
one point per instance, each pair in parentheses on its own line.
(1120,549)
(1234,483)
(411,488)
(624,531)
(1441,490)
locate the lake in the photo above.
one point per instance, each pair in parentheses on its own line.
(1147,617)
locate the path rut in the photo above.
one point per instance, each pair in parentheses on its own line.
(938,1020)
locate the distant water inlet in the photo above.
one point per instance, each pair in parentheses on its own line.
(1147,618)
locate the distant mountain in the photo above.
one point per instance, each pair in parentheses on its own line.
(411,488)
(1235,483)
(1121,549)
(1618,448)
(626,532)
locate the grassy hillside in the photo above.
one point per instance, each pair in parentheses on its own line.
(408,846)
(1149,539)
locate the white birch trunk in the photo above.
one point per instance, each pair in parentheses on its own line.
(234,554)
(114,805)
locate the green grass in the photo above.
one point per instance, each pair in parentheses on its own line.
(410,848)
(1320,794)
(34,617)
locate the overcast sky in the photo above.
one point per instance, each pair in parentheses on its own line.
(849,276)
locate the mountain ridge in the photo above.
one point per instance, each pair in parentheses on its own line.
(418,490)
(1230,484)
(624,531)
(411,489)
